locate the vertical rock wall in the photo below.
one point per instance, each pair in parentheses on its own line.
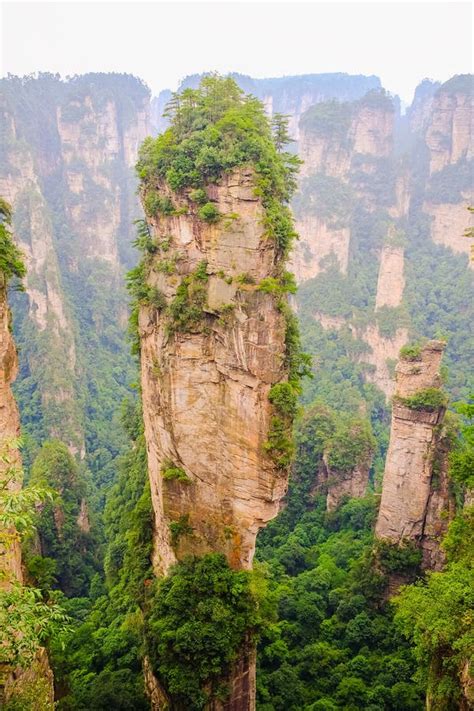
(205,392)
(69,149)
(39,677)
(416,504)
(10,556)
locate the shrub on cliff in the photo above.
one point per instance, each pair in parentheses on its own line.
(429,399)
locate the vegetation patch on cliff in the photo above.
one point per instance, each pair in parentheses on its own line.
(429,399)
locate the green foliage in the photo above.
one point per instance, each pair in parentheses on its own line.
(27,622)
(328,118)
(61,539)
(404,558)
(28,618)
(351,443)
(460,83)
(297,362)
(284,399)
(334,644)
(11,259)
(449,184)
(17,503)
(197,620)
(436,614)
(156,204)
(101,666)
(411,352)
(79,407)
(209,212)
(244,279)
(180,528)
(377,99)
(328,198)
(144,241)
(198,195)
(283,284)
(213,130)
(185,311)
(430,400)
(389,319)
(462,453)
(279,444)
(170,472)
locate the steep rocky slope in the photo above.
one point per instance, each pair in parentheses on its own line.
(70,147)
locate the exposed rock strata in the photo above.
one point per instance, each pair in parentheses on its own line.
(318,241)
(205,392)
(449,131)
(416,504)
(449,222)
(342,485)
(382,353)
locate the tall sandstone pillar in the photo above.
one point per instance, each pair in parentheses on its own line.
(205,389)
(415,492)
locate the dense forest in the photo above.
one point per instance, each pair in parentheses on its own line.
(145,607)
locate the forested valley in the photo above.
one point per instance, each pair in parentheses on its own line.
(236,401)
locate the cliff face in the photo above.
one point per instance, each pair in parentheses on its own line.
(205,392)
(340,145)
(416,504)
(344,485)
(391,279)
(10,556)
(69,153)
(373,185)
(446,131)
(38,679)
(449,130)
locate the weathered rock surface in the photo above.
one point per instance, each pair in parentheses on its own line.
(416,504)
(391,279)
(449,222)
(449,130)
(318,240)
(205,392)
(383,352)
(342,485)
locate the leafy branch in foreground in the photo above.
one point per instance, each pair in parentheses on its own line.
(27,622)
(26,619)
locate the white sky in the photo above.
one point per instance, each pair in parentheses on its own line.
(402,42)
